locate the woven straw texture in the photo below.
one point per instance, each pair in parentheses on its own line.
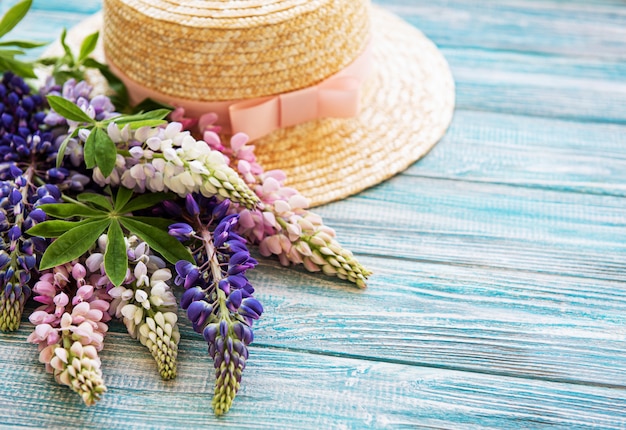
(213,51)
(407,106)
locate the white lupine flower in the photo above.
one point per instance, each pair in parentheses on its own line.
(79,369)
(171,159)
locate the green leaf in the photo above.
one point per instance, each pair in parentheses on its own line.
(144,201)
(115,259)
(147,123)
(160,223)
(68,109)
(54,228)
(95,199)
(72,244)
(20,68)
(48,61)
(89,150)
(14,16)
(63,147)
(88,45)
(10,53)
(144,116)
(25,44)
(105,152)
(70,210)
(123,196)
(69,56)
(171,249)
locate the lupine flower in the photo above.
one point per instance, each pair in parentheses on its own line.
(78,367)
(218,297)
(282,225)
(98,107)
(146,304)
(70,326)
(169,159)
(19,201)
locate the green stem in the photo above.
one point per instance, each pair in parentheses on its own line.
(216,270)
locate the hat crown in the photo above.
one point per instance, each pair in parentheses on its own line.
(233,49)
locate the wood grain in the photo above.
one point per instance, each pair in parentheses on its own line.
(298,390)
(582,29)
(499,292)
(530,152)
(463,318)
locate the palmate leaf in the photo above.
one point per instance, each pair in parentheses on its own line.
(69,210)
(96,200)
(122,197)
(73,243)
(169,248)
(144,201)
(115,258)
(54,228)
(161,223)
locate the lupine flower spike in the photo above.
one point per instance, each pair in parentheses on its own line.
(25,151)
(282,225)
(146,304)
(218,296)
(169,159)
(70,327)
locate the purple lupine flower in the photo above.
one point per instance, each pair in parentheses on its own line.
(218,296)
(18,212)
(181,231)
(24,139)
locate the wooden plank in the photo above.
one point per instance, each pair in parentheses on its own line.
(296,390)
(580,29)
(530,152)
(488,225)
(474,319)
(536,85)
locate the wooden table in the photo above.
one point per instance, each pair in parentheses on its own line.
(499,294)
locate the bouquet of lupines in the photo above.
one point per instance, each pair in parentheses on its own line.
(103,213)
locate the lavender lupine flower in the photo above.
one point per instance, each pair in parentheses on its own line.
(218,296)
(98,107)
(70,327)
(19,201)
(163,159)
(146,304)
(282,225)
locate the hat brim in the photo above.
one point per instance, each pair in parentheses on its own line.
(406,108)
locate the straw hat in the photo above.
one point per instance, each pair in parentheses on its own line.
(205,55)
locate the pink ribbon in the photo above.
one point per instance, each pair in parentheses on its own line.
(336,97)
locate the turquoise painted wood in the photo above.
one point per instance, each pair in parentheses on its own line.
(499,294)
